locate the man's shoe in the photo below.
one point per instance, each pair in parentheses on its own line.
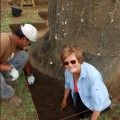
(15,101)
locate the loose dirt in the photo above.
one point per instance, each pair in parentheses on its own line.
(47,94)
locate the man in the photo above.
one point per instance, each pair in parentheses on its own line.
(13,58)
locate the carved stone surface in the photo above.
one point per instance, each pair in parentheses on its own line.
(93,25)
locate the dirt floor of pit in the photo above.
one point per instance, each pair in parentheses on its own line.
(47,94)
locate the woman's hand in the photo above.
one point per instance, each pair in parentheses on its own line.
(63,104)
(95,115)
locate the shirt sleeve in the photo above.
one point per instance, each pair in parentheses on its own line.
(67,84)
(99,94)
(3,45)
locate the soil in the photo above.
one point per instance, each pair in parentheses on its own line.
(47,94)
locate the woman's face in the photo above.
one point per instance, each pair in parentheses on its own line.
(71,63)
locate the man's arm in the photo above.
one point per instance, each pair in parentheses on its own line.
(4,67)
(12,71)
(27,69)
(30,77)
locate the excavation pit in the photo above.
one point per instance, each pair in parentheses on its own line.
(47,94)
(38,26)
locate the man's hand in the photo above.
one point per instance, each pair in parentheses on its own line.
(14,73)
(31,79)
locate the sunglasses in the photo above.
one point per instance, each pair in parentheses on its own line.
(67,63)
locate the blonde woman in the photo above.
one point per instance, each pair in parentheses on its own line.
(85,82)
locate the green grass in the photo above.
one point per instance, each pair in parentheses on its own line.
(26,111)
(7,18)
(5,23)
(113,114)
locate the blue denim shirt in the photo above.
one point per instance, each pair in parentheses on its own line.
(91,88)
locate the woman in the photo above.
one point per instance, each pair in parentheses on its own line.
(85,82)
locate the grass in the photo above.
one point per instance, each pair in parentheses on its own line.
(26,111)
(7,19)
(5,23)
(113,114)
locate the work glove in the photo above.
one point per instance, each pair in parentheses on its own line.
(31,79)
(14,73)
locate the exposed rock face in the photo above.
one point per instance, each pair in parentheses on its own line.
(93,25)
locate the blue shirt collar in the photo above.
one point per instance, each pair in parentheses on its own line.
(83,71)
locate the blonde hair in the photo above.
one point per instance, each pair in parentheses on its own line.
(69,50)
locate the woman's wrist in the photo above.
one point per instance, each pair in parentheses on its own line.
(95,115)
